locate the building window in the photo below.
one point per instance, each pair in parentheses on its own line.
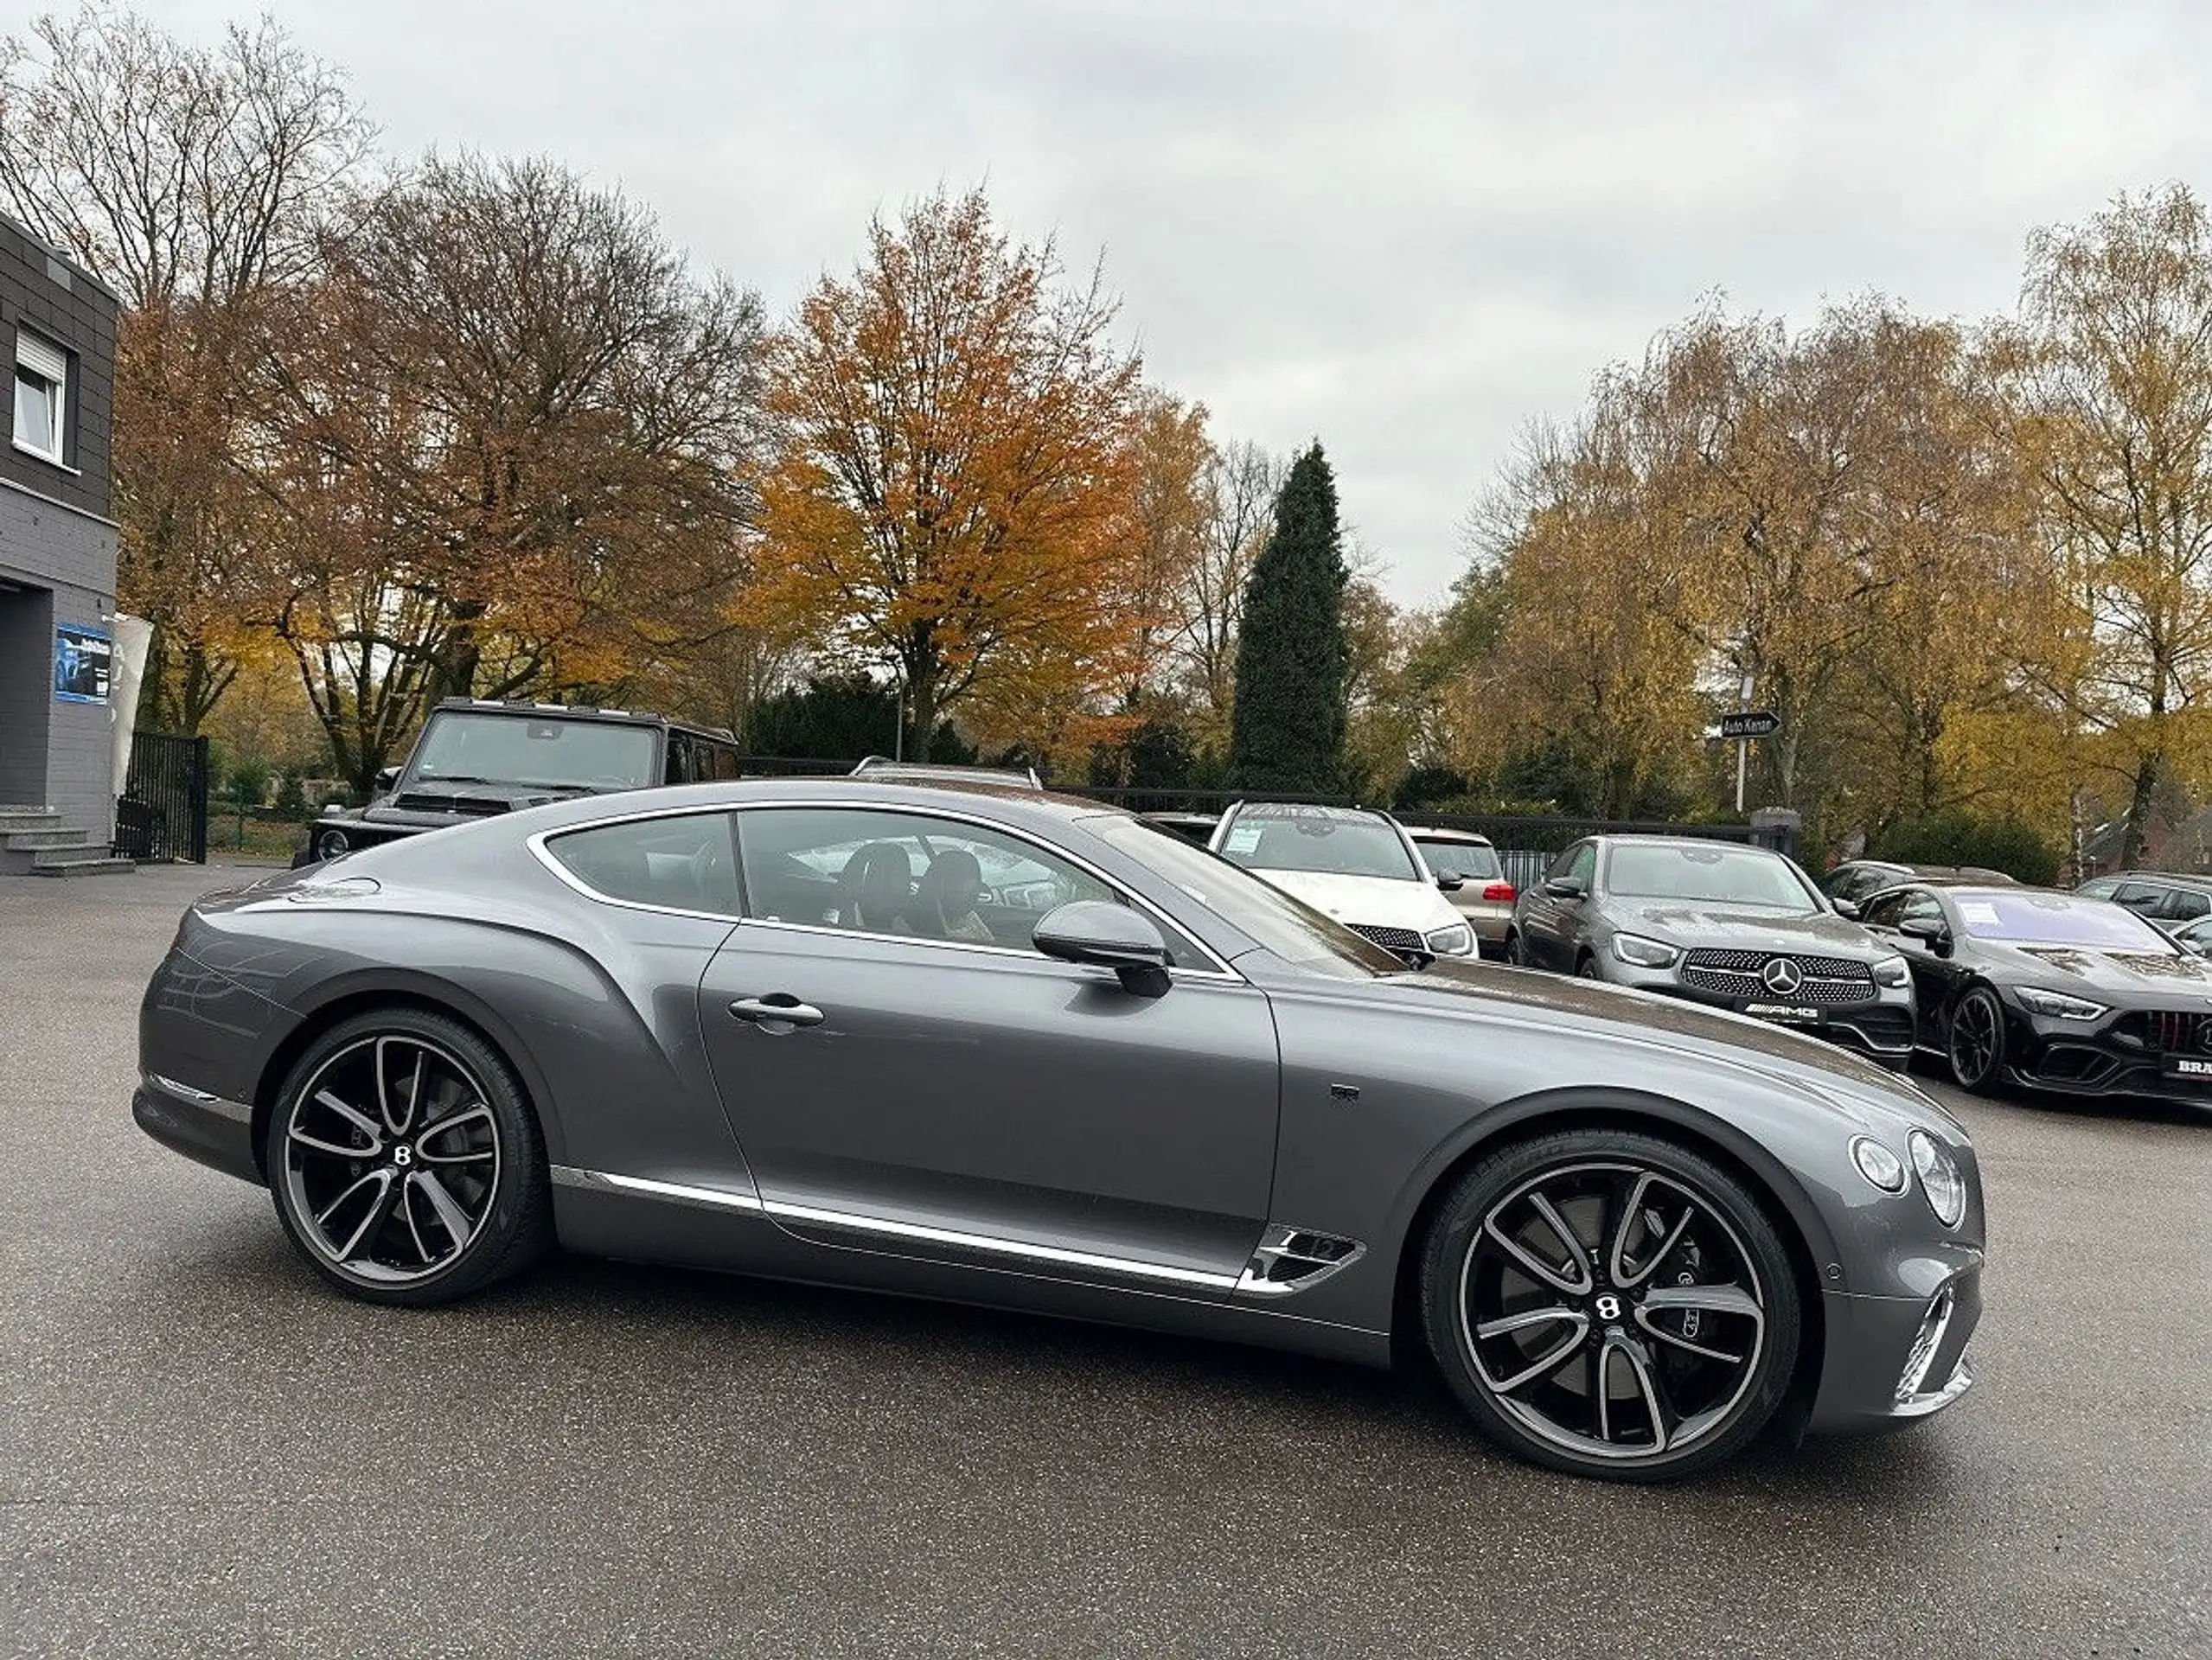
(41,396)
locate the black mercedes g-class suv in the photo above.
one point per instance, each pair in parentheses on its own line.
(475,758)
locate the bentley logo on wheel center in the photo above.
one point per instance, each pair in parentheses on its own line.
(1780,976)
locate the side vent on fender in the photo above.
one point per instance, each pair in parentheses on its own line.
(1291,1259)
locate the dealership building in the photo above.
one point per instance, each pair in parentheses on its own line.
(57,561)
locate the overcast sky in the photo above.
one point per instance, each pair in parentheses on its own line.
(1405,229)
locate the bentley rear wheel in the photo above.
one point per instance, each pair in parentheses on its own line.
(1611,1304)
(406,1166)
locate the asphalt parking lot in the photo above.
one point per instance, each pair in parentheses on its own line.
(201,1451)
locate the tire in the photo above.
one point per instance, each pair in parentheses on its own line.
(1701,1336)
(1974,1041)
(1586,968)
(1516,953)
(406,1162)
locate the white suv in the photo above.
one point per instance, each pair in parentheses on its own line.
(1353,864)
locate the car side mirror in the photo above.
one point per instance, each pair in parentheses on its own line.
(1106,936)
(1932,931)
(385,778)
(1845,907)
(1451,883)
(1564,887)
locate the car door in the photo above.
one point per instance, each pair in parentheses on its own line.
(974,1102)
(1555,929)
(1934,975)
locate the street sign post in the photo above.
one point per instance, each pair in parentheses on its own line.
(1751,722)
(1741,728)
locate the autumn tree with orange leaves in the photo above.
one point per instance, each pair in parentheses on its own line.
(952,494)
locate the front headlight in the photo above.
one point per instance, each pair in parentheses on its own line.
(1939,1177)
(1878,1165)
(1643,953)
(332,844)
(2057,1005)
(1457,941)
(1893,971)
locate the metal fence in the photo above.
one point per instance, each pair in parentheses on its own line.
(161,815)
(1526,845)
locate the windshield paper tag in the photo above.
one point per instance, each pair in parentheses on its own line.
(1243,839)
(1984,914)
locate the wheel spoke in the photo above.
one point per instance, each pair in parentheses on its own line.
(1716,1299)
(1577,1252)
(407,1209)
(1617,1257)
(379,1209)
(319,1144)
(1497,1328)
(353,1115)
(1550,1361)
(1647,1386)
(1652,1328)
(450,1216)
(480,1113)
(1528,1260)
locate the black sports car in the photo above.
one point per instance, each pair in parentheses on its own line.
(2052,990)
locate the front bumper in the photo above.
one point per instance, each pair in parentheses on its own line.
(2127,1053)
(1895,1361)
(216,1132)
(1882,1026)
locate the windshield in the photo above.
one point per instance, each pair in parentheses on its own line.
(2057,919)
(488,749)
(1293,931)
(1700,873)
(1470,859)
(1335,843)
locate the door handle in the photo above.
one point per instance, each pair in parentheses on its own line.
(777,1009)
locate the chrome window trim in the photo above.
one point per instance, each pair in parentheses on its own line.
(537,844)
(855,1222)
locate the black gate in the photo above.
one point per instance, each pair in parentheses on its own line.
(162,813)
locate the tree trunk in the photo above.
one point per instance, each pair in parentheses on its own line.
(2135,833)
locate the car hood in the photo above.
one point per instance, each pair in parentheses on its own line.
(1822,1075)
(2124,976)
(1745,930)
(430,806)
(1375,901)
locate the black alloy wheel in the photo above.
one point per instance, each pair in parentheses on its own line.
(407,1164)
(1611,1304)
(1976,1044)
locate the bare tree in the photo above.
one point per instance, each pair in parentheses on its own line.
(191,180)
(1238,490)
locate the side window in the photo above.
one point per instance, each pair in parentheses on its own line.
(678,770)
(1888,910)
(2184,905)
(686,863)
(1583,867)
(2140,898)
(1563,863)
(1920,906)
(912,874)
(726,760)
(2101,888)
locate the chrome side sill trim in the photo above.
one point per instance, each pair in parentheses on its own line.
(1003,1247)
(232,1109)
(681,1193)
(715,1197)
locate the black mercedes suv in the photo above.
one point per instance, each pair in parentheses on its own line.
(475,758)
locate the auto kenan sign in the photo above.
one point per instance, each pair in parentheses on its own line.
(1751,722)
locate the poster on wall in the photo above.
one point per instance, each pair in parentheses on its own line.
(81,659)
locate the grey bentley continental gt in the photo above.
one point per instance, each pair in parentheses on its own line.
(1004,1047)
